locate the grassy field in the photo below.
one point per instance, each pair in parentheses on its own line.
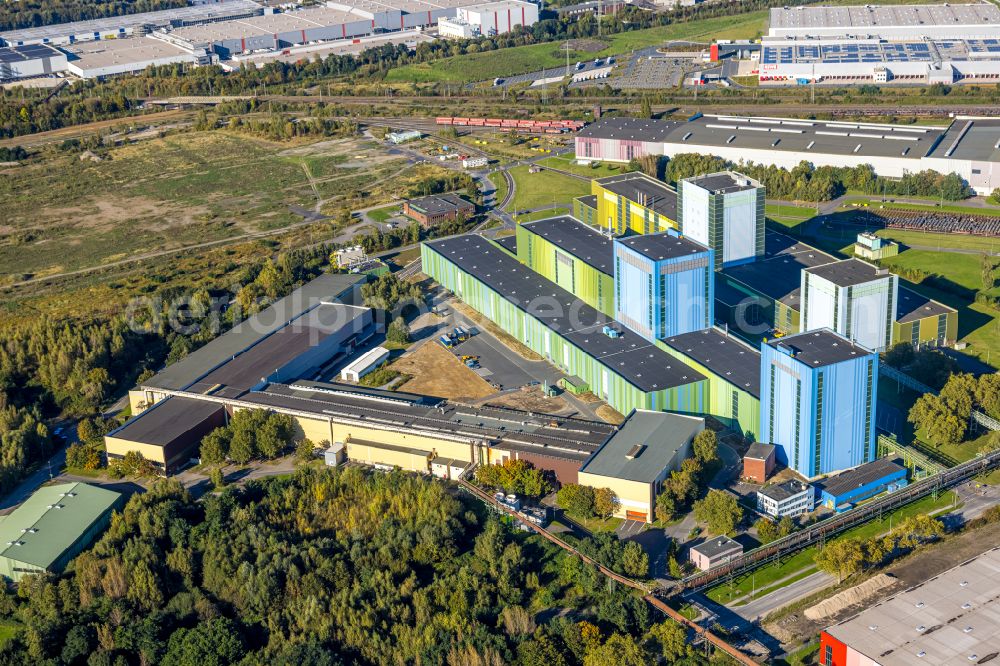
(543,214)
(789,215)
(532,190)
(382,214)
(766,577)
(522,59)
(932,205)
(568,163)
(61,213)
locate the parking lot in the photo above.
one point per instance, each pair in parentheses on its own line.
(496,367)
(649,69)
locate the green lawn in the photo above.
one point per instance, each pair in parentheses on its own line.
(532,190)
(594,525)
(765,577)
(501,184)
(932,205)
(522,59)
(380,215)
(789,215)
(568,163)
(543,214)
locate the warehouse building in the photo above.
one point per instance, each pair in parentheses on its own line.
(633,203)
(844,490)
(978,20)
(52,527)
(664,285)
(731,367)
(113,57)
(23,62)
(622,139)
(852,298)
(733,371)
(754,298)
(724,211)
(168,433)
(575,256)
(967,147)
(117,27)
(489,19)
(638,457)
(818,398)
(437,208)
(842,61)
(948,619)
(617,363)
(364,364)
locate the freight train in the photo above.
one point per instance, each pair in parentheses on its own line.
(534,126)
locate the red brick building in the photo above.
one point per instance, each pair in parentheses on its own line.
(437,208)
(758,463)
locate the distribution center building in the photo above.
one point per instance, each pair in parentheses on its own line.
(21,62)
(52,527)
(977,20)
(664,285)
(853,298)
(818,397)
(724,211)
(966,147)
(488,19)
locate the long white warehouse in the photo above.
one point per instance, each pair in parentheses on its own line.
(364,364)
(969,147)
(978,21)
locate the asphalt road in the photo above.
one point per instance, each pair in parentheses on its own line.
(495,364)
(760,607)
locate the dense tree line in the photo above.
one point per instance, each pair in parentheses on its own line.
(807,182)
(34,13)
(329,567)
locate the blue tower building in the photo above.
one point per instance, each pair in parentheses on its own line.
(817,401)
(664,285)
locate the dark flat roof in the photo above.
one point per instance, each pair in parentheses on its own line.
(638,361)
(631,129)
(662,435)
(166,420)
(643,190)
(439,204)
(912,306)
(719,545)
(970,139)
(513,429)
(662,246)
(729,358)
(759,451)
(779,492)
(576,238)
(724,182)
(862,475)
(858,140)
(588,200)
(508,243)
(778,274)
(849,272)
(328,287)
(820,348)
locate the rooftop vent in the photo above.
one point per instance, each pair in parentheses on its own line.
(635,451)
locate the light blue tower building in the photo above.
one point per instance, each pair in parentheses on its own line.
(664,285)
(817,401)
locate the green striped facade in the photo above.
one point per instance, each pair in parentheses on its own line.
(579,278)
(603,381)
(731,405)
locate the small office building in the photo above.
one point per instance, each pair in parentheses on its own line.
(636,459)
(717,550)
(843,491)
(790,498)
(873,248)
(52,527)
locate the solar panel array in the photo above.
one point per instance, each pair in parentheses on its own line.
(878,52)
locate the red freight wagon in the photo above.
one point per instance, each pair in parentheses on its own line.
(443,121)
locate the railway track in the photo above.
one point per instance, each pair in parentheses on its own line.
(832,526)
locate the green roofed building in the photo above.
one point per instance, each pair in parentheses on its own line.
(52,527)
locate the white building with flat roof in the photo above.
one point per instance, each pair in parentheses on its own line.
(979,20)
(491,18)
(364,364)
